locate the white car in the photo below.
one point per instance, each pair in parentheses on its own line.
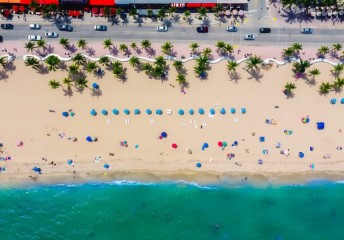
(34,37)
(35,26)
(162,28)
(51,34)
(249,37)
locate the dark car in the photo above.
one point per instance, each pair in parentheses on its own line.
(6,26)
(66,28)
(265,30)
(100,28)
(1,39)
(306,30)
(202,29)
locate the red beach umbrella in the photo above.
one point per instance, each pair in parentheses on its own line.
(219,144)
(174,145)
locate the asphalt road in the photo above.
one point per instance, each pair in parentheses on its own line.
(278,36)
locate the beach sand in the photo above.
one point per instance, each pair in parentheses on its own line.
(27,98)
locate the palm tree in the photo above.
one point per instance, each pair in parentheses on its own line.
(158,71)
(338,69)
(232,65)
(338,83)
(288,52)
(160,61)
(146,44)
(171,11)
(73,69)
(79,59)
(134,61)
(117,64)
(91,66)
(300,67)
(3,62)
(289,87)
(68,82)
(166,48)
(82,44)
(104,60)
(133,13)
(325,88)
(149,13)
(41,44)
(187,15)
(123,47)
(336,47)
(206,52)
(229,48)
(314,72)
(53,62)
(297,47)
(202,60)
(220,45)
(107,43)
(118,72)
(194,47)
(253,62)
(133,46)
(147,67)
(64,42)
(201,13)
(81,83)
(54,84)
(323,50)
(30,46)
(161,14)
(178,64)
(181,79)
(32,62)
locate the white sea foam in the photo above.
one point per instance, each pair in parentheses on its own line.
(195,185)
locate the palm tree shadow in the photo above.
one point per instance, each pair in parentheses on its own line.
(151,52)
(114,50)
(206,21)
(113,21)
(138,51)
(3,75)
(176,18)
(234,76)
(42,69)
(49,49)
(100,74)
(10,67)
(72,48)
(96,92)
(337,90)
(68,92)
(189,21)
(255,74)
(311,82)
(290,95)
(91,51)
(290,15)
(139,21)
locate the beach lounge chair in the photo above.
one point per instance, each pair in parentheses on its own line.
(169,111)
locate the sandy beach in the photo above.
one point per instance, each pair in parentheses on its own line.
(27,99)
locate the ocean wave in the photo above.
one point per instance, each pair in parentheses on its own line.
(194,184)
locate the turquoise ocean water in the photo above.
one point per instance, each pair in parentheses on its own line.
(129,210)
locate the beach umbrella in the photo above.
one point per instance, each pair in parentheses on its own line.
(243,110)
(212,111)
(342,101)
(223,111)
(95,85)
(301,154)
(137,111)
(174,145)
(148,111)
(71,114)
(107,166)
(93,112)
(320,125)
(198,165)
(260,161)
(70,162)
(37,169)
(224,144)
(181,112)
(191,112)
(163,134)
(233,110)
(104,112)
(201,111)
(333,101)
(115,111)
(205,145)
(158,112)
(219,144)
(65,114)
(89,139)
(126,111)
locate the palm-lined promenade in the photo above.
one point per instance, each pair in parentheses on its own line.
(282,95)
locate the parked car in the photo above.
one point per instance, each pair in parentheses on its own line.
(66,28)
(265,30)
(231,29)
(306,30)
(35,26)
(249,37)
(51,34)
(100,28)
(1,39)
(162,29)
(202,29)
(6,26)
(34,37)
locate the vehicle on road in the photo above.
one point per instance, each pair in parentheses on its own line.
(34,37)
(35,26)
(66,28)
(162,28)
(265,30)
(51,34)
(231,29)
(1,39)
(249,37)
(100,28)
(306,30)
(6,26)
(202,29)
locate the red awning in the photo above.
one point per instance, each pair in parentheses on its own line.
(25,2)
(193,5)
(102,2)
(95,10)
(47,2)
(22,8)
(15,8)
(77,13)
(208,5)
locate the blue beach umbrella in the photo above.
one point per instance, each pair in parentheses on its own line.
(137,111)
(126,111)
(212,111)
(191,112)
(333,101)
(89,139)
(205,145)
(104,112)
(158,112)
(107,166)
(301,154)
(163,134)
(342,101)
(148,111)
(198,165)
(71,114)
(95,85)
(243,110)
(233,110)
(115,111)
(70,162)
(93,112)
(65,114)
(201,111)
(181,112)
(223,111)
